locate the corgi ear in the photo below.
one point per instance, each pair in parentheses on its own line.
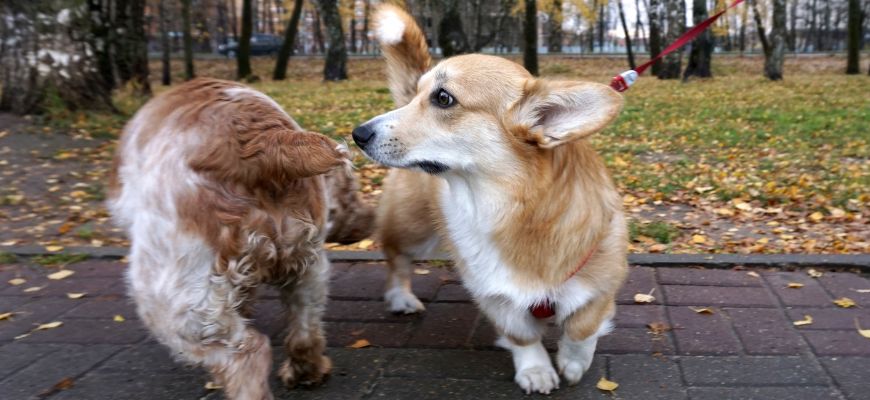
(553,113)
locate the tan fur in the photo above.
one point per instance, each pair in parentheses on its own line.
(408,59)
(585,322)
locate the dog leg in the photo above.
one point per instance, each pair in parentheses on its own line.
(243,372)
(304,303)
(398,295)
(580,336)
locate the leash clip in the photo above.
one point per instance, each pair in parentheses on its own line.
(623,81)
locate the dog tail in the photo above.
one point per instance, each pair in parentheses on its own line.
(405,49)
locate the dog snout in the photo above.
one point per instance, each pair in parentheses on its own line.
(363,134)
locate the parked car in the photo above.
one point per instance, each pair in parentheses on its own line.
(261,45)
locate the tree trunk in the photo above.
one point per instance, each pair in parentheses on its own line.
(792,31)
(854,38)
(104,37)
(451,36)
(530,35)
(655,38)
(743,22)
(133,48)
(243,56)
(335,68)
(602,26)
(676,17)
(702,46)
(554,41)
(164,43)
(627,36)
(774,46)
(639,32)
(234,18)
(289,41)
(52,52)
(255,16)
(318,33)
(188,40)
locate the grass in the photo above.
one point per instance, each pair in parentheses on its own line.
(50,260)
(661,232)
(7,258)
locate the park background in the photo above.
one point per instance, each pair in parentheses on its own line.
(753,139)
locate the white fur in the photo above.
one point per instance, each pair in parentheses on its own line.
(534,371)
(575,356)
(390,28)
(402,300)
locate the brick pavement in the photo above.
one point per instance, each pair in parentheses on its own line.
(747,349)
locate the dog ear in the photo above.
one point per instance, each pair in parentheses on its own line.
(281,154)
(554,113)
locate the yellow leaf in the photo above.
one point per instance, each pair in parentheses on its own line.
(645,298)
(699,239)
(658,248)
(17,281)
(795,285)
(365,244)
(862,332)
(619,162)
(118,318)
(53,248)
(33,289)
(845,302)
(22,336)
(78,194)
(753,274)
(61,274)
(817,216)
(806,321)
(212,386)
(359,344)
(862,290)
(75,296)
(50,325)
(701,310)
(604,384)
(5,316)
(421,271)
(813,273)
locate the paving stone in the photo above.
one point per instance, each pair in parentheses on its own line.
(640,280)
(764,393)
(585,389)
(445,325)
(85,331)
(831,318)
(638,316)
(646,377)
(697,334)
(706,277)
(456,364)
(35,275)
(379,334)
(846,284)
(30,315)
(850,374)
(360,282)
(12,303)
(365,311)
(145,359)
(42,374)
(765,331)
(98,269)
(440,389)
(717,296)
(751,371)
(17,355)
(91,286)
(103,307)
(483,335)
(635,340)
(353,375)
(453,292)
(810,295)
(838,343)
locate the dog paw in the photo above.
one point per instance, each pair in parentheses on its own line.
(304,373)
(540,379)
(401,301)
(574,366)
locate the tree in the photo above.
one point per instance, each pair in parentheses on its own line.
(675,13)
(243,57)
(774,46)
(655,38)
(530,35)
(335,68)
(164,43)
(854,39)
(627,36)
(289,41)
(135,48)
(188,40)
(49,46)
(702,46)
(451,36)
(554,42)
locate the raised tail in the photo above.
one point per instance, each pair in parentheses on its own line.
(405,49)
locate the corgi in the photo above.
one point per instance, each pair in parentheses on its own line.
(495,164)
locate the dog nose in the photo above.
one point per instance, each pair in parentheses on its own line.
(363,134)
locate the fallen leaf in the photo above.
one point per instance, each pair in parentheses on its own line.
(699,239)
(50,325)
(21,336)
(806,321)
(53,248)
(63,384)
(813,273)
(658,328)
(645,298)
(17,281)
(794,285)
(360,343)
(862,290)
(75,296)
(33,289)
(212,386)
(845,302)
(604,384)
(61,274)
(421,271)
(658,248)
(817,216)
(862,332)
(753,274)
(365,244)
(118,318)
(5,316)
(9,242)
(702,310)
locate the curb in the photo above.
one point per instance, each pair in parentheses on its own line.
(860,261)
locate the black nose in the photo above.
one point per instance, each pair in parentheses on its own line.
(363,134)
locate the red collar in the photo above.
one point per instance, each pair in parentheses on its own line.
(546,309)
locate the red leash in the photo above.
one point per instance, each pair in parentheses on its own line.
(623,81)
(546,309)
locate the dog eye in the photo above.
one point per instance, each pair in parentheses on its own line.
(443,99)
